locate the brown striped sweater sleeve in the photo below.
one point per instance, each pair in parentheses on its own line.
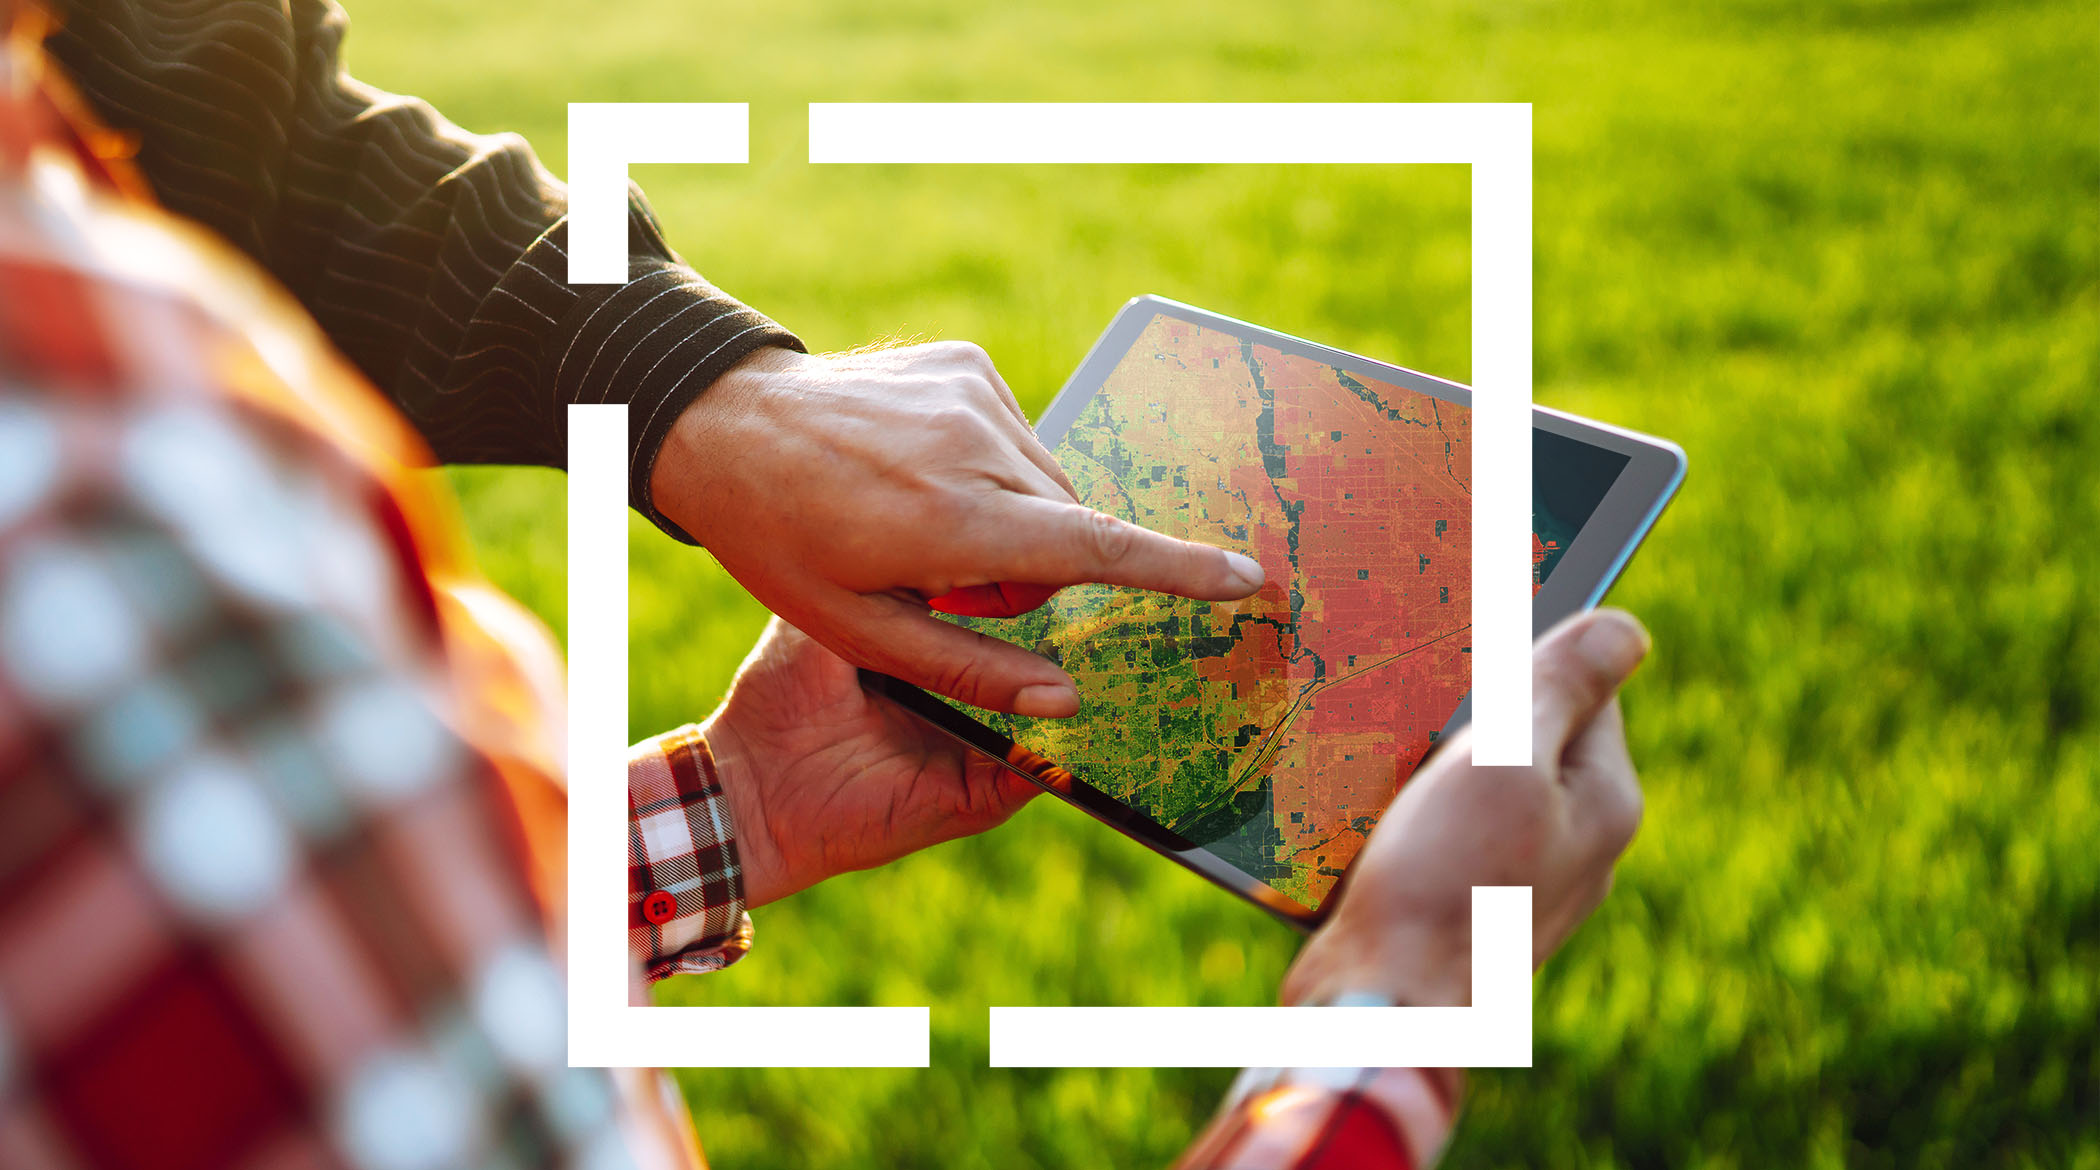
(435,259)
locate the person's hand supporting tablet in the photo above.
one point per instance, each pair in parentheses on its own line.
(1401,932)
(822,777)
(846,492)
(1402,927)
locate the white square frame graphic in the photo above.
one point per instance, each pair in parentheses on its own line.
(1494,139)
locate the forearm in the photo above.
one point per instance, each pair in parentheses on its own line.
(434,258)
(1330,1119)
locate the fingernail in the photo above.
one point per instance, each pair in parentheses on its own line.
(1614,641)
(1047,700)
(1247,569)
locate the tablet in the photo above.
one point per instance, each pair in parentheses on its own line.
(1257,742)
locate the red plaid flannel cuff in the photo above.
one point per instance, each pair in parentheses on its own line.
(685,890)
(1330,1119)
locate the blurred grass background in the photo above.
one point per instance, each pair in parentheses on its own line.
(1847,254)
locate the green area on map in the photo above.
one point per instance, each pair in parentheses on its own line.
(1273,730)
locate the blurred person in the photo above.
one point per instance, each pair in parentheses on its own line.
(282,820)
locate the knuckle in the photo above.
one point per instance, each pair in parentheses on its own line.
(954,421)
(1622,816)
(970,353)
(962,681)
(1107,538)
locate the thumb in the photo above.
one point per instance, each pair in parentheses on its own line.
(1576,669)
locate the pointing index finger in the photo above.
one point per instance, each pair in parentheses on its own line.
(1067,544)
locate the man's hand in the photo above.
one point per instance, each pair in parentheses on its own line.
(1403,925)
(822,777)
(844,492)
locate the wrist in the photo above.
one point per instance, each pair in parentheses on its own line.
(1420,963)
(686,481)
(758,852)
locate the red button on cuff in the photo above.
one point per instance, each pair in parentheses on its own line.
(660,907)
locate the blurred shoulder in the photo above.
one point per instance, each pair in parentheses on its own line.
(128,444)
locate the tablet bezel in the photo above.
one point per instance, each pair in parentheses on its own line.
(1622,519)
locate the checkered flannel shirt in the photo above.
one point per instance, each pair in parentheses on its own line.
(685,892)
(267,897)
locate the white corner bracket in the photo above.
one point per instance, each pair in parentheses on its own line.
(1494,1032)
(1494,139)
(604,1030)
(606,136)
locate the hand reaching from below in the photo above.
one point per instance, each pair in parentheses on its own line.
(822,777)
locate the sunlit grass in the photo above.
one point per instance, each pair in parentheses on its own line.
(1845,254)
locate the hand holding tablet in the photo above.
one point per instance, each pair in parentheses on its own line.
(1402,921)
(1258,741)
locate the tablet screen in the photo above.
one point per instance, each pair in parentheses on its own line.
(1274,731)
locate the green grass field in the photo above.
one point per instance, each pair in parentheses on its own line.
(1847,254)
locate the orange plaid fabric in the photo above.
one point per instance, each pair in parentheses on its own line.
(281,827)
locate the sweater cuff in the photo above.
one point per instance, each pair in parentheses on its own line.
(685,885)
(700,345)
(655,343)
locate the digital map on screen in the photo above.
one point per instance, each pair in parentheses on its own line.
(1274,730)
